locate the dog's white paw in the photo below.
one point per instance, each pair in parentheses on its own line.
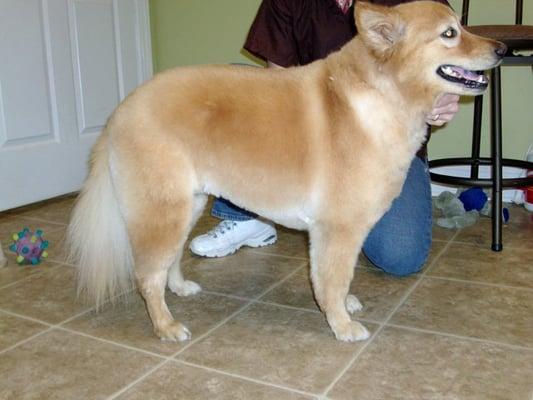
(351,332)
(174,332)
(186,288)
(353,304)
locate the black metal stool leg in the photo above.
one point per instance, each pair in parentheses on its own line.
(496,156)
(476,136)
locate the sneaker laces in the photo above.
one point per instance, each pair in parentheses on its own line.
(222,228)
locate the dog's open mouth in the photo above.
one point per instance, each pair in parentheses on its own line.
(469,79)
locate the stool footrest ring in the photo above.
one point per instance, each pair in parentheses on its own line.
(476,181)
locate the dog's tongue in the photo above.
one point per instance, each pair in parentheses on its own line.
(470,75)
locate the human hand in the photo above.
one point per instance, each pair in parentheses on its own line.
(444,110)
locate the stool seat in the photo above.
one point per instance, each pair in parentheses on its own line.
(516,37)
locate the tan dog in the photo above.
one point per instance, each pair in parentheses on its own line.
(323,147)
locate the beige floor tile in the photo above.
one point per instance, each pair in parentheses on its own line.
(401,364)
(442,234)
(436,249)
(177,381)
(516,234)
(277,345)
(49,296)
(13,330)
(243,274)
(13,272)
(54,210)
(290,243)
(57,241)
(377,291)
(128,323)
(511,267)
(11,225)
(61,365)
(468,309)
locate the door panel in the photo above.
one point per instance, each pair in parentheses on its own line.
(66,66)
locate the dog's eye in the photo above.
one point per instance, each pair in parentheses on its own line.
(449,33)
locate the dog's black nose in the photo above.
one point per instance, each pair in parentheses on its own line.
(501,50)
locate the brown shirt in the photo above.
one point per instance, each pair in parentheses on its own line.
(298,32)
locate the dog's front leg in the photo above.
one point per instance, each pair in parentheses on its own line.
(334,251)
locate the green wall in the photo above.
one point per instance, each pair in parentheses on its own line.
(186,32)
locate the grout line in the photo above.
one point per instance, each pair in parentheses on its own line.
(280,282)
(37,273)
(201,337)
(272,303)
(317,311)
(119,344)
(266,253)
(140,378)
(486,245)
(50,327)
(38,321)
(466,338)
(20,343)
(231,296)
(172,357)
(245,306)
(481,283)
(21,280)
(246,378)
(382,324)
(59,224)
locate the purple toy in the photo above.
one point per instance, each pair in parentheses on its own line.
(29,247)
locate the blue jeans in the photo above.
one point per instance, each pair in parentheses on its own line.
(401,240)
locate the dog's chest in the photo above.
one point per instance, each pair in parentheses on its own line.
(375,115)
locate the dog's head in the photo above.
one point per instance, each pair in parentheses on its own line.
(424,45)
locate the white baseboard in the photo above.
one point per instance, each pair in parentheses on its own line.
(484,172)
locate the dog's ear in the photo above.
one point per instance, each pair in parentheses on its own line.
(380,27)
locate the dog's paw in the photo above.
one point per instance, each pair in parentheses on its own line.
(353,304)
(174,332)
(186,288)
(351,332)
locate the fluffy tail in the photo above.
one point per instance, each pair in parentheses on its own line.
(97,239)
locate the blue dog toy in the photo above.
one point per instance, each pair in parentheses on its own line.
(473,199)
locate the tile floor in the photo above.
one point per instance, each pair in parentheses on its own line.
(461,329)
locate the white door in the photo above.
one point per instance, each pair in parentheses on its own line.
(64,66)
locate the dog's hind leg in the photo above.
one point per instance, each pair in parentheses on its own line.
(176,283)
(334,251)
(157,232)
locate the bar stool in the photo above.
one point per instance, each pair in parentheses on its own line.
(516,37)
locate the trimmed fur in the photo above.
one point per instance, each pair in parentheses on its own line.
(297,146)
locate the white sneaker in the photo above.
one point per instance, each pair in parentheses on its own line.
(229,236)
